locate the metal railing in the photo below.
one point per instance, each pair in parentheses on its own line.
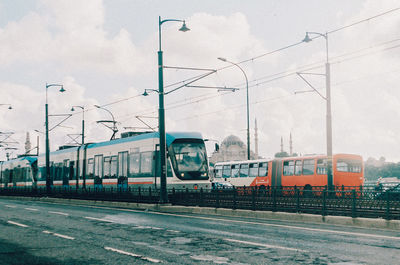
(343,201)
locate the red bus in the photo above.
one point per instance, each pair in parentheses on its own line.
(303,172)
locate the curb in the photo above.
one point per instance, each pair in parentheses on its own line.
(377,223)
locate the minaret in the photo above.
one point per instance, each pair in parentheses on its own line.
(256,139)
(27,144)
(291,144)
(281,144)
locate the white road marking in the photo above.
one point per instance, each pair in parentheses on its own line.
(173,231)
(263,245)
(239,221)
(31,209)
(132,255)
(58,235)
(60,213)
(99,219)
(64,236)
(15,223)
(11,206)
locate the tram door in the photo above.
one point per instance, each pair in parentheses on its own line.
(276,178)
(157,165)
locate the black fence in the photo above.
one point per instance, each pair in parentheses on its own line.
(344,201)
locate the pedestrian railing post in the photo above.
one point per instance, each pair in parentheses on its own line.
(253,199)
(354,204)
(217,199)
(274,199)
(297,200)
(234,198)
(201,197)
(387,205)
(324,202)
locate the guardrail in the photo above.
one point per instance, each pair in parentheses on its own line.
(344,201)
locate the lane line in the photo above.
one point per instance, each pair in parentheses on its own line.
(238,221)
(59,213)
(99,219)
(31,209)
(15,223)
(58,235)
(64,236)
(173,231)
(132,255)
(262,245)
(10,206)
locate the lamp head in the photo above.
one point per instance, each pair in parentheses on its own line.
(62,89)
(72,109)
(307,38)
(10,107)
(145,93)
(184,28)
(97,106)
(222,59)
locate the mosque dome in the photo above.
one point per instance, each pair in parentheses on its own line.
(232,140)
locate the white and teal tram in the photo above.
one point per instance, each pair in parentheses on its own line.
(131,161)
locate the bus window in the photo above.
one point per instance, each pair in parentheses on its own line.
(288,168)
(297,168)
(263,169)
(226,171)
(346,165)
(235,171)
(308,167)
(321,167)
(253,170)
(244,170)
(218,171)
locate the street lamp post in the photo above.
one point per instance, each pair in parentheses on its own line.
(114,128)
(48,177)
(161,112)
(328,108)
(247,103)
(83,121)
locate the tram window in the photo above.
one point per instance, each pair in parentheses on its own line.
(253,170)
(263,169)
(321,166)
(98,166)
(235,171)
(90,168)
(66,169)
(297,167)
(244,170)
(288,168)
(218,171)
(308,167)
(226,171)
(107,167)
(134,164)
(123,164)
(146,159)
(113,167)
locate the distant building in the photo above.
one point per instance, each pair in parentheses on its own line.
(231,149)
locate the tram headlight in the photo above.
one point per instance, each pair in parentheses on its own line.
(182,175)
(204,174)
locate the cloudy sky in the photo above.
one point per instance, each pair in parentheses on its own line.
(105,53)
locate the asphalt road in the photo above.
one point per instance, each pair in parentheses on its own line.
(55,233)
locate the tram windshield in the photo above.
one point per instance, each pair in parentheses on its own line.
(189,159)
